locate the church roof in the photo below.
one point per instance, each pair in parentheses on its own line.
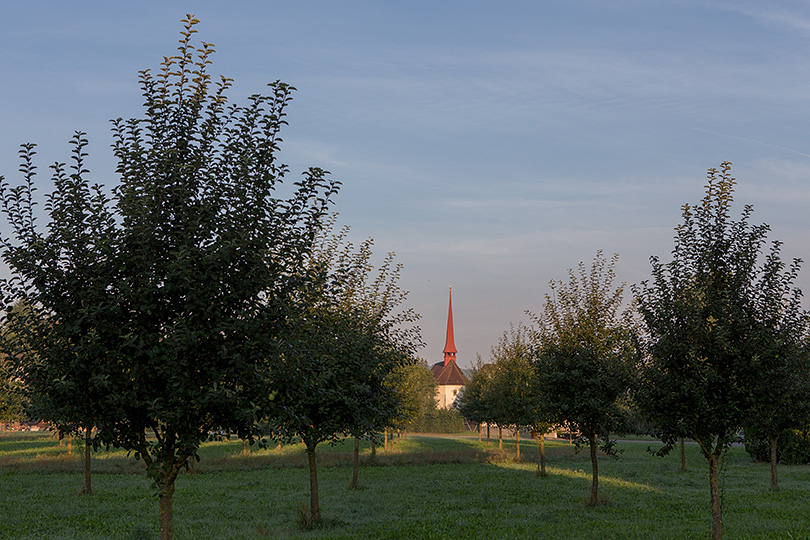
(448,373)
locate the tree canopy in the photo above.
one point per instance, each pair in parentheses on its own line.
(347,335)
(158,307)
(513,382)
(714,318)
(415,387)
(475,400)
(586,357)
(780,342)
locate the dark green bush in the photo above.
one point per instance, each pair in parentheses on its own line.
(792,447)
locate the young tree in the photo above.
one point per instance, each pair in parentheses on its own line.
(586,356)
(513,380)
(705,322)
(14,396)
(12,392)
(782,400)
(415,387)
(60,297)
(475,402)
(162,307)
(539,430)
(344,339)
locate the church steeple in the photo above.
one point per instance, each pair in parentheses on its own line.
(450,344)
(448,375)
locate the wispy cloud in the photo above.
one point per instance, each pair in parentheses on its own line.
(753,140)
(774,12)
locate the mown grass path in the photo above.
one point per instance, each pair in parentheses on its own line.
(427,487)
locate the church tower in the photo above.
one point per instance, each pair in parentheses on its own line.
(449,376)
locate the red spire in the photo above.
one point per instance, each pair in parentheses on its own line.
(450,345)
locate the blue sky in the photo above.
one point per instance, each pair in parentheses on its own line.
(490,145)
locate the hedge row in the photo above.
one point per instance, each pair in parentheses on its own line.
(438,421)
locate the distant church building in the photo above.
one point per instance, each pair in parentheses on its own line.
(447,373)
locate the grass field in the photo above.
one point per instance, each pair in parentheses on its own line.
(426,488)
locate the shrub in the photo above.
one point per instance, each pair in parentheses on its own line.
(438,421)
(792,447)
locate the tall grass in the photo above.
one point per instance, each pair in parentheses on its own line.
(427,487)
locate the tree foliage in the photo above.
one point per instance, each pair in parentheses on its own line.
(14,394)
(718,320)
(513,378)
(475,401)
(158,308)
(587,352)
(514,400)
(503,392)
(415,387)
(60,296)
(782,399)
(345,338)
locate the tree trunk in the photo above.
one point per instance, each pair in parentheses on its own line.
(314,505)
(165,501)
(70,445)
(245,449)
(517,444)
(541,471)
(774,479)
(166,512)
(479,432)
(714,489)
(385,439)
(279,445)
(355,464)
(500,437)
(88,447)
(683,455)
(488,434)
(595,467)
(373,449)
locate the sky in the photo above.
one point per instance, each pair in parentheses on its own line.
(491,145)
